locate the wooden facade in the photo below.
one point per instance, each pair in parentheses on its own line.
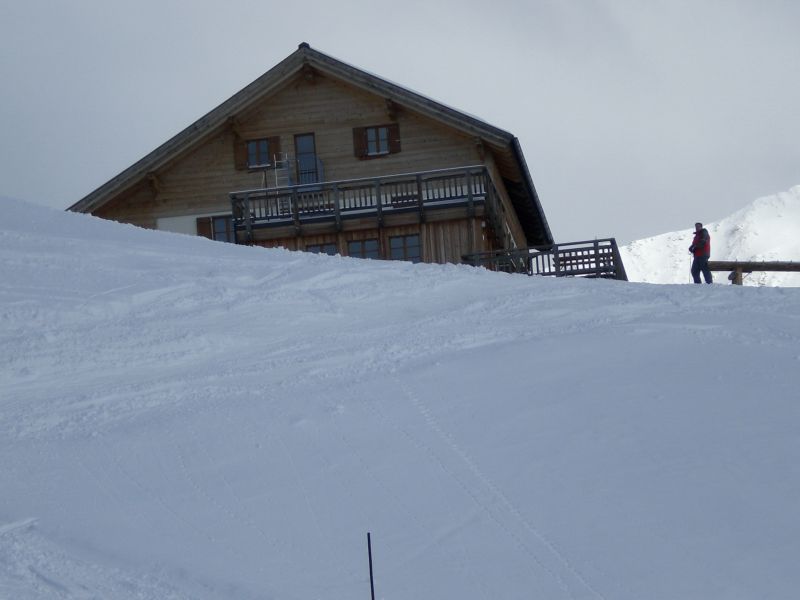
(305,135)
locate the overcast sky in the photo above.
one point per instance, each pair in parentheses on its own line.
(636,117)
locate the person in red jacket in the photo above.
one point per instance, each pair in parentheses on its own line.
(701,249)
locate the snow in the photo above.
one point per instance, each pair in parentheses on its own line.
(181,418)
(766,230)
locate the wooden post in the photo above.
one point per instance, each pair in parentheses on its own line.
(378,202)
(737,276)
(247,219)
(336,208)
(295,208)
(470,199)
(371,578)
(420,201)
(556,265)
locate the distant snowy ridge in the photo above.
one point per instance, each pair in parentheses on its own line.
(768,229)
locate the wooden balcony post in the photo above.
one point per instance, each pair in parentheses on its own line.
(378,201)
(337,211)
(420,199)
(295,211)
(470,195)
(737,276)
(248,218)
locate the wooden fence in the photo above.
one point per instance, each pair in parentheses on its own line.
(737,268)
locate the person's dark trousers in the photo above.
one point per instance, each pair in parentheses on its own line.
(700,265)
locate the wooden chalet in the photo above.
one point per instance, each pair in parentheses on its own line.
(318,155)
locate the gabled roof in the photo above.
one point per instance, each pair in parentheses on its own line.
(511,164)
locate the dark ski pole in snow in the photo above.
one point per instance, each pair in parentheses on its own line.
(371,580)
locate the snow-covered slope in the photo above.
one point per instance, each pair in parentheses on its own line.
(186,419)
(767,229)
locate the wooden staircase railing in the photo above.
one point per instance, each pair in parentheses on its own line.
(595,258)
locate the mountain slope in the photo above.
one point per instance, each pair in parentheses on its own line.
(186,419)
(767,229)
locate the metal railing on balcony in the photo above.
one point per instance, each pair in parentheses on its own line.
(595,258)
(337,200)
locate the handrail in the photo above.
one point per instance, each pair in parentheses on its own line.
(590,258)
(360,179)
(738,268)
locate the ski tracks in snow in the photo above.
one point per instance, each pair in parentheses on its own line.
(537,545)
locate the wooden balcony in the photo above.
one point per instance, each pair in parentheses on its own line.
(336,201)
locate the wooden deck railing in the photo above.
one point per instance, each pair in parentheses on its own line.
(595,258)
(337,200)
(737,268)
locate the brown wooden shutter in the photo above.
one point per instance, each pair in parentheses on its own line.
(360,142)
(274,144)
(394,138)
(204,227)
(239,153)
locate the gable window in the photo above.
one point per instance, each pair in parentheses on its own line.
(256,153)
(329,249)
(405,247)
(216,228)
(363,248)
(376,141)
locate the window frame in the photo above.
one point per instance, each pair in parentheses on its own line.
(322,248)
(207,228)
(362,251)
(256,151)
(380,147)
(242,152)
(406,248)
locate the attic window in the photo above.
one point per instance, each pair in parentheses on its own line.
(258,154)
(376,141)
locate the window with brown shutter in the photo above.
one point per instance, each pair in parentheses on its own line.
(376,141)
(216,228)
(256,153)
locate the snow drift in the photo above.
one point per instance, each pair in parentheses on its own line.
(181,418)
(768,229)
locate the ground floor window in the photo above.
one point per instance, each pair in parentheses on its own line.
(405,247)
(364,248)
(216,228)
(329,249)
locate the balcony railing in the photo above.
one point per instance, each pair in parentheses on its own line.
(595,258)
(338,200)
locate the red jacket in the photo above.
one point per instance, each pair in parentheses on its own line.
(701,244)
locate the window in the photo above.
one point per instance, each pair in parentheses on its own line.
(329,249)
(258,154)
(376,141)
(363,249)
(216,228)
(405,247)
